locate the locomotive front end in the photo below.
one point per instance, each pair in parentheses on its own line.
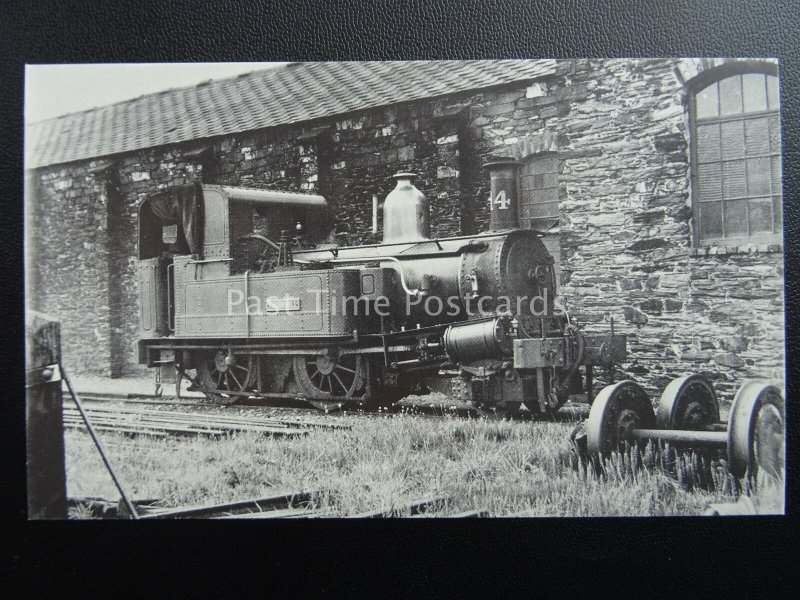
(521,348)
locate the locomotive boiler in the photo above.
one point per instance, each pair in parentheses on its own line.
(242,292)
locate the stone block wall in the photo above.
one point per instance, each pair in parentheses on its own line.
(72,256)
(620,132)
(626,238)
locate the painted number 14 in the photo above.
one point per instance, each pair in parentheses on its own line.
(501,201)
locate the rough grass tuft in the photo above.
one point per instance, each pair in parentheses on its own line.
(510,468)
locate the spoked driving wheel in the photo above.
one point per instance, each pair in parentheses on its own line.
(330,380)
(220,373)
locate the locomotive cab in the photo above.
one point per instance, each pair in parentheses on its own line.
(215,229)
(168,227)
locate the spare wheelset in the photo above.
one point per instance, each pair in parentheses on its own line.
(688,416)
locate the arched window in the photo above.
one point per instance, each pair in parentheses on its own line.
(736,159)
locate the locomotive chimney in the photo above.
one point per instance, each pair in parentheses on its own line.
(504,195)
(405,212)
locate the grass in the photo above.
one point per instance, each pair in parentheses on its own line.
(509,468)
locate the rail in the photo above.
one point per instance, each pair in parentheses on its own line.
(259,506)
(414,508)
(161,423)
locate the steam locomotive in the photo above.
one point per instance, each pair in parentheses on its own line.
(241,290)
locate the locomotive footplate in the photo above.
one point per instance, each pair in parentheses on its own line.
(536,353)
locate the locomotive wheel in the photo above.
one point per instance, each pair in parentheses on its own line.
(617,409)
(688,402)
(330,381)
(756,437)
(219,372)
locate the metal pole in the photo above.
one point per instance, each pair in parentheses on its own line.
(677,436)
(128,504)
(374,214)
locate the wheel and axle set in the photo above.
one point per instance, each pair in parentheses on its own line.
(688,416)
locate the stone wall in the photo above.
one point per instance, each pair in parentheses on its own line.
(72,256)
(626,237)
(620,132)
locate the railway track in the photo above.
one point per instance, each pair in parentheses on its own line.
(127,420)
(288,505)
(569,412)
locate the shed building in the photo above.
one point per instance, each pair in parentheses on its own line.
(658,183)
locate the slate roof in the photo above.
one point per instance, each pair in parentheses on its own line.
(282,95)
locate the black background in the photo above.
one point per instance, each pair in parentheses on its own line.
(522,556)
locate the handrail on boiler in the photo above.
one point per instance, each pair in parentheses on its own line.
(246,303)
(170,296)
(380,259)
(355,260)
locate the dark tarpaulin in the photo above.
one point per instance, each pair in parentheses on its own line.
(182,205)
